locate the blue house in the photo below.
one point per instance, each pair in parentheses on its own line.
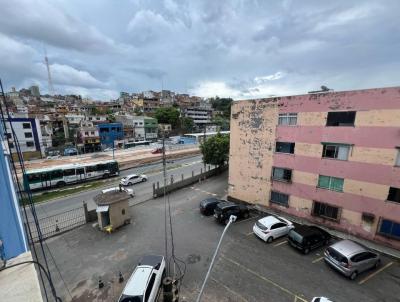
(109,133)
(13,241)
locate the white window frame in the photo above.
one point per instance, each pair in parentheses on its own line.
(337,151)
(287,119)
(397,163)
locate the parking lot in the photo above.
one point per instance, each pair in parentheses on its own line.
(247,269)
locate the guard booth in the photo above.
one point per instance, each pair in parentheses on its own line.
(112,210)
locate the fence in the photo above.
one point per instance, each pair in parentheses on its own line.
(175,185)
(57,224)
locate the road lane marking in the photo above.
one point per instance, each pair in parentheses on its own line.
(251,233)
(280,243)
(235,294)
(375,273)
(318,259)
(264,278)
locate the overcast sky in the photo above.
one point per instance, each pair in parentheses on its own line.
(242,49)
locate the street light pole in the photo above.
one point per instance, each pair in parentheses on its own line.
(231,220)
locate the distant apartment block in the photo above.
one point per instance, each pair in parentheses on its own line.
(331,158)
(109,133)
(145,128)
(200,116)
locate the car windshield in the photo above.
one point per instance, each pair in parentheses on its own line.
(336,255)
(125,298)
(295,236)
(261,226)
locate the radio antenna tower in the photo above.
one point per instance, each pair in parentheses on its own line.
(46,60)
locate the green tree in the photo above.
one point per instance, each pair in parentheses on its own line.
(222,122)
(169,115)
(187,124)
(215,150)
(111,118)
(222,104)
(137,111)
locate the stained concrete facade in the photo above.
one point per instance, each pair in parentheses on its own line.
(368,174)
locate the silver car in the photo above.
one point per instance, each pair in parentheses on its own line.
(351,258)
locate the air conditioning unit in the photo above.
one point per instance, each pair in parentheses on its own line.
(368,217)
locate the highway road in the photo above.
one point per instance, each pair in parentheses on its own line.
(143,191)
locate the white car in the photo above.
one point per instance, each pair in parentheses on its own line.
(272,227)
(145,281)
(133,179)
(116,189)
(321,299)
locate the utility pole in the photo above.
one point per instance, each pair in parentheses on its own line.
(204,141)
(165,199)
(231,220)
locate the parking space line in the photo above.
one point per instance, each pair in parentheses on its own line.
(229,290)
(375,273)
(250,218)
(317,260)
(280,243)
(251,233)
(265,279)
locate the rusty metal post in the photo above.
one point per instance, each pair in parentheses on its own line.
(86,211)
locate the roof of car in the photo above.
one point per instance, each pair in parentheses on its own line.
(269,220)
(136,284)
(211,199)
(348,247)
(131,175)
(305,230)
(226,204)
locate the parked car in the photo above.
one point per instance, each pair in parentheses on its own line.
(133,179)
(116,189)
(53,157)
(207,206)
(272,227)
(320,299)
(145,281)
(308,237)
(350,258)
(225,209)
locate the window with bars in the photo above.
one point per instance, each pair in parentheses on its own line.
(284,147)
(287,119)
(279,198)
(394,194)
(325,210)
(337,151)
(330,183)
(282,174)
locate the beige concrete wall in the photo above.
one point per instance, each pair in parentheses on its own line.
(376,118)
(306,178)
(367,189)
(116,217)
(300,204)
(311,118)
(373,155)
(252,138)
(305,149)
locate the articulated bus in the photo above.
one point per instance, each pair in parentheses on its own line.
(135,144)
(59,176)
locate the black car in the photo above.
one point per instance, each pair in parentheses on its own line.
(307,238)
(207,206)
(225,209)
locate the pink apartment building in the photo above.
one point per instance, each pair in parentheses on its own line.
(332,158)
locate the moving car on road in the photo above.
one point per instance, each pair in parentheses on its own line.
(116,189)
(350,258)
(208,205)
(225,209)
(133,179)
(272,227)
(145,281)
(307,238)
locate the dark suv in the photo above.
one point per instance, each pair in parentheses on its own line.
(224,210)
(307,238)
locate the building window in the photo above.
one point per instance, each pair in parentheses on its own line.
(287,119)
(92,132)
(9,135)
(86,133)
(279,198)
(336,151)
(30,144)
(389,228)
(330,183)
(394,194)
(324,210)
(398,158)
(282,174)
(11,145)
(282,147)
(343,118)
(26,125)
(28,134)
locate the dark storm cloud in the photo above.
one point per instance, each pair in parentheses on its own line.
(228,48)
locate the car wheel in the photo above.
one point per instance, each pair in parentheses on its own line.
(226,221)
(61,184)
(327,242)
(269,240)
(144,179)
(246,215)
(377,263)
(353,275)
(130,183)
(306,250)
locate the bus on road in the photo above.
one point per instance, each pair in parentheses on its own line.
(59,176)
